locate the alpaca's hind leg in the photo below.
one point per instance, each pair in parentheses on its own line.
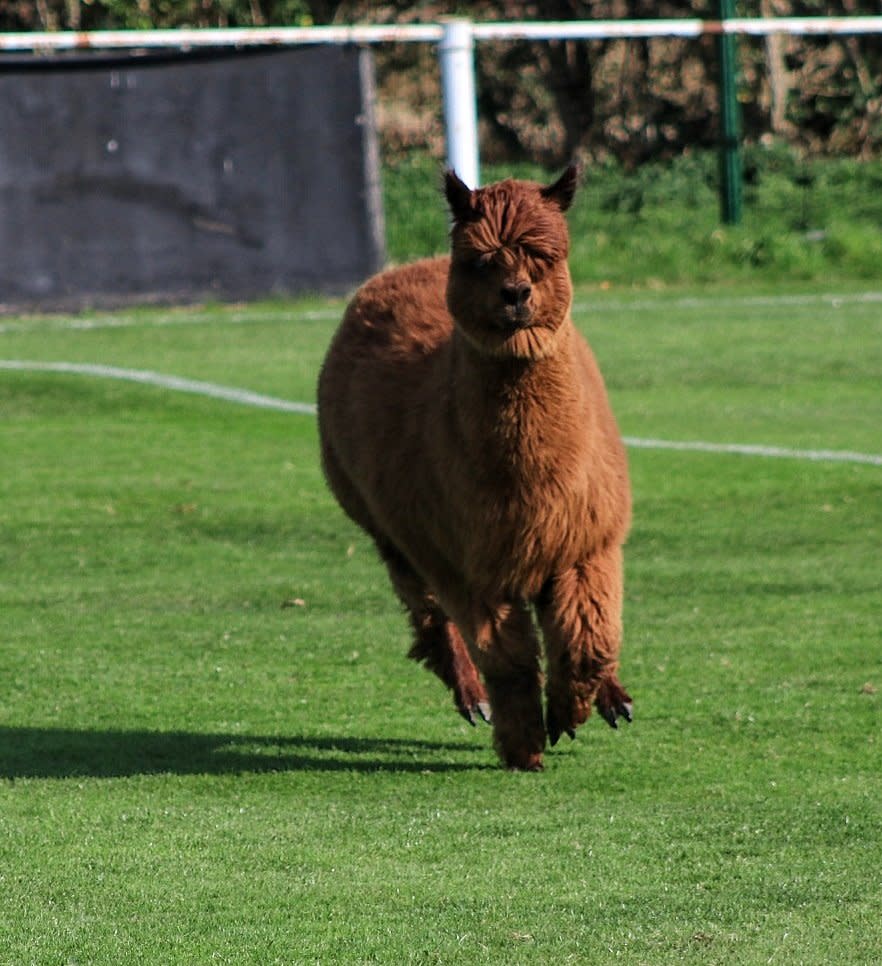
(506,650)
(580,613)
(437,641)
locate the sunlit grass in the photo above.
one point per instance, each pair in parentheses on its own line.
(212,748)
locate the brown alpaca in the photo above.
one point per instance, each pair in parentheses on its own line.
(465,426)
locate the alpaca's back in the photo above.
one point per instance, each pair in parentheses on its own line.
(400,311)
(376,377)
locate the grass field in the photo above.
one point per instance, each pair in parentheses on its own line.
(213,750)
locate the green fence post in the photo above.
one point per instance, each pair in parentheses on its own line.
(730,152)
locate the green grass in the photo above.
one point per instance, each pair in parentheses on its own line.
(213,750)
(659,225)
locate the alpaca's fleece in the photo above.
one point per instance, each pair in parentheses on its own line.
(465,426)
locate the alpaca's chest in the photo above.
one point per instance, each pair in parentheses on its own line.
(521,535)
(504,527)
(500,495)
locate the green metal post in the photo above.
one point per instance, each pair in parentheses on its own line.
(730,151)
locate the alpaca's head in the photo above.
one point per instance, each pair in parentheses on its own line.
(509,289)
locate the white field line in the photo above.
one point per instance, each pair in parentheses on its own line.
(67,324)
(247,398)
(244,317)
(751,449)
(242,396)
(830,299)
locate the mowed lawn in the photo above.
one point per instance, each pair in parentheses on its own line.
(212,747)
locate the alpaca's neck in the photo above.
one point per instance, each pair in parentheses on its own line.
(519,408)
(494,374)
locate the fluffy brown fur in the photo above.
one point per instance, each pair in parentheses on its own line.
(465,426)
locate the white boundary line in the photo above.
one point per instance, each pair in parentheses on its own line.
(831,299)
(184,317)
(144,376)
(247,398)
(750,449)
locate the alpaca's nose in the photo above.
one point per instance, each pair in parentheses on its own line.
(516,293)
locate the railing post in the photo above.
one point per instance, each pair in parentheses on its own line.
(730,134)
(456,52)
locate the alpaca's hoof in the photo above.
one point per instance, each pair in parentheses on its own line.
(611,715)
(483,709)
(555,729)
(525,763)
(613,702)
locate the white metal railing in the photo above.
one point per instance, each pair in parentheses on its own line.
(455,39)
(429,33)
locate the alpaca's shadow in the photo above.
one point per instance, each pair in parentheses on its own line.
(62,753)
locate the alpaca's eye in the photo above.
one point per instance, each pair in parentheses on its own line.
(539,256)
(539,262)
(480,262)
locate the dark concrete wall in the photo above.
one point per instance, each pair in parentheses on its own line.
(227,176)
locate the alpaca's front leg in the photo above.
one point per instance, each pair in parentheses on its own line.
(437,641)
(505,648)
(581,617)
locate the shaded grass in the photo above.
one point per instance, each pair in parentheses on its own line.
(213,750)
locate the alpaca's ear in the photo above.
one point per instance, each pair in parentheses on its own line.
(563,190)
(460,197)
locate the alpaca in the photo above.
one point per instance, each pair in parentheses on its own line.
(465,427)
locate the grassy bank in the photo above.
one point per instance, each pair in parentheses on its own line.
(660,226)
